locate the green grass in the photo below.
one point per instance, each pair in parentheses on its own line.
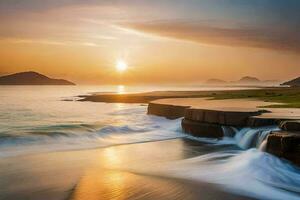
(287,97)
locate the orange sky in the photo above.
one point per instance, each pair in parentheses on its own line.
(82,42)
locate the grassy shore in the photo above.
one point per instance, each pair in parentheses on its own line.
(287,97)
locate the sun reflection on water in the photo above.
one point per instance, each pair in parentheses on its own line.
(111,158)
(121,89)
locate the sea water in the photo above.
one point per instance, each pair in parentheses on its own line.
(37,119)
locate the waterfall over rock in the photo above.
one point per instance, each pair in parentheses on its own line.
(229,131)
(247,138)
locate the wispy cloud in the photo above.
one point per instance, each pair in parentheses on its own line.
(105,37)
(32,41)
(90,44)
(276,38)
(49,42)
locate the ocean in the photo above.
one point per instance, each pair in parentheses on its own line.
(41,119)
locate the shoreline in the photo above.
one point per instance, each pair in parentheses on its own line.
(276,97)
(219,118)
(94,173)
(206,113)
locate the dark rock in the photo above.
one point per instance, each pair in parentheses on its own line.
(285,145)
(257,121)
(290,126)
(168,111)
(227,118)
(200,129)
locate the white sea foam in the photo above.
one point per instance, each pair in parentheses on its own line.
(251,173)
(132,126)
(253,137)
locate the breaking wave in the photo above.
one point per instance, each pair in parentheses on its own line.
(131,126)
(251,173)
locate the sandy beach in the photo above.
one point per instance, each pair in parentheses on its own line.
(103,174)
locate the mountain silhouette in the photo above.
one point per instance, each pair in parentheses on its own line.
(293,83)
(31,78)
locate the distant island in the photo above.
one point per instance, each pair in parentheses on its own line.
(293,83)
(246,80)
(31,78)
(214,81)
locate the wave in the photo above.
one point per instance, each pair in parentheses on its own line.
(129,128)
(123,129)
(252,173)
(245,138)
(249,173)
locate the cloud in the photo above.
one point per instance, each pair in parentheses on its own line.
(32,41)
(271,24)
(277,38)
(38,5)
(49,42)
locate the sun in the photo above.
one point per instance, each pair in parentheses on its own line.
(121,66)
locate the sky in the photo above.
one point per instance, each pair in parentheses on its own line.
(161,41)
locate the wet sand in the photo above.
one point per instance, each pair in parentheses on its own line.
(106,173)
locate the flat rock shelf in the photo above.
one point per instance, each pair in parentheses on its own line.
(206,118)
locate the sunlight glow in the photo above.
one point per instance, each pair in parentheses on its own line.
(121,66)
